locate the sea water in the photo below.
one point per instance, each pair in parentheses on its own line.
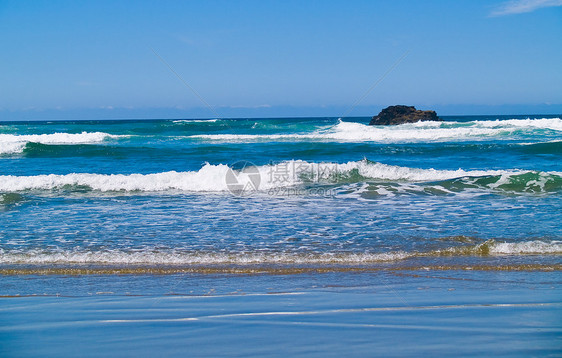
(214,225)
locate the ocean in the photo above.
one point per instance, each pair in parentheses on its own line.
(273,236)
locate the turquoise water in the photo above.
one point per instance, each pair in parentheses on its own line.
(220,207)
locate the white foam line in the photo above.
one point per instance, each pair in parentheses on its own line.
(534,247)
(212,178)
(547,142)
(299,313)
(236,294)
(12,143)
(411,132)
(196,120)
(337,311)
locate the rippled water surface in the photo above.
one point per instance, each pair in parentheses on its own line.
(389,231)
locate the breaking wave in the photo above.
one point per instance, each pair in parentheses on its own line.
(411,132)
(222,178)
(196,120)
(11,143)
(178,257)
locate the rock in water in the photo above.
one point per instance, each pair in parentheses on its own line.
(402,114)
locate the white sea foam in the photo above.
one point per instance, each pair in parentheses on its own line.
(11,143)
(208,178)
(526,247)
(544,123)
(197,120)
(410,132)
(547,142)
(179,257)
(173,257)
(396,173)
(213,178)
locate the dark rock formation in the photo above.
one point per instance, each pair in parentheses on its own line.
(402,114)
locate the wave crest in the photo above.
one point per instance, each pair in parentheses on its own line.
(410,132)
(179,257)
(12,143)
(214,178)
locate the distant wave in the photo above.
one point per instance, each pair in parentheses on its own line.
(212,178)
(549,147)
(412,132)
(131,149)
(197,120)
(11,143)
(182,257)
(553,142)
(305,131)
(543,123)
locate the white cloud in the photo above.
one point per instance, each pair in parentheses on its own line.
(522,6)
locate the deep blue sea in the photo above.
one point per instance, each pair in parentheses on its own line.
(202,207)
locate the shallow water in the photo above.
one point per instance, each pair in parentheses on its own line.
(407,313)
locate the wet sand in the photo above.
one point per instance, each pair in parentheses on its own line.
(379,313)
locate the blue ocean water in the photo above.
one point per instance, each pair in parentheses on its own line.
(305,191)
(301,236)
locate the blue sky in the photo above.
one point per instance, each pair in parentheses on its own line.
(93,59)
